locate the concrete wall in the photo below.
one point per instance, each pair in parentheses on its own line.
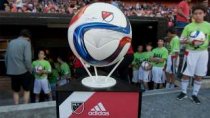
(35,110)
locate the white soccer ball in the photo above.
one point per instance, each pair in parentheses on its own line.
(146,65)
(197,38)
(39,68)
(99,34)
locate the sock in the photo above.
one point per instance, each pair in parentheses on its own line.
(37,100)
(172,86)
(167,85)
(50,98)
(184,84)
(142,86)
(196,87)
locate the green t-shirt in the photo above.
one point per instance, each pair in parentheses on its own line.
(174,45)
(203,27)
(65,69)
(137,60)
(161,53)
(41,65)
(53,76)
(147,55)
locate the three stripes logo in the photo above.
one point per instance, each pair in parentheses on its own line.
(98,110)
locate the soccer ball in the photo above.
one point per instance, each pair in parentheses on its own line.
(39,68)
(197,38)
(99,34)
(146,65)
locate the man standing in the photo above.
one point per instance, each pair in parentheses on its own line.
(18,63)
(183,14)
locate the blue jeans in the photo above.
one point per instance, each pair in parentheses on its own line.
(180,26)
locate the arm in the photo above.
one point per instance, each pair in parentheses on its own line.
(153,59)
(184,36)
(6,58)
(48,69)
(27,57)
(164,57)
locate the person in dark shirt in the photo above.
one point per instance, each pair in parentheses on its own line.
(2,6)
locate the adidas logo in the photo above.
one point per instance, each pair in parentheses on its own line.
(98,110)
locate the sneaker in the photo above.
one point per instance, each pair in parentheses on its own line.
(181,96)
(195,99)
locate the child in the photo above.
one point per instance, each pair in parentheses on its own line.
(173,58)
(41,69)
(196,56)
(158,61)
(53,77)
(136,63)
(145,75)
(64,71)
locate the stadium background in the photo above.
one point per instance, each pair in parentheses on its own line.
(49,30)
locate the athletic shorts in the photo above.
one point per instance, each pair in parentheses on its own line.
(23,80)
(144,76)
(172,64)
(158,75)
(41,84)
(195,63)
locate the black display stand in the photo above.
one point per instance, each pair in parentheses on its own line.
(77,101)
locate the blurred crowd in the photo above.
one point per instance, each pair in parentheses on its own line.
(71,7)
(44,6)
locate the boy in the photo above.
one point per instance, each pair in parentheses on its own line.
(158,61)
(53,77)
(138,58)
(173,60)
(145,75)
(196,56)
(41,69)
(64,71)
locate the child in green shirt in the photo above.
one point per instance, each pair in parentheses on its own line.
(64,71)
(41,69)
(138,58)
(173,58)
(196,58)
(145,75)
(158,60)
(53,77)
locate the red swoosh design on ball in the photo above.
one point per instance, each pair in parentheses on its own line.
(124,40)
(78,15)
(122,43)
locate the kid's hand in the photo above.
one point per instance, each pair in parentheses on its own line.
(152,59)
(41,72)
(186,41)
